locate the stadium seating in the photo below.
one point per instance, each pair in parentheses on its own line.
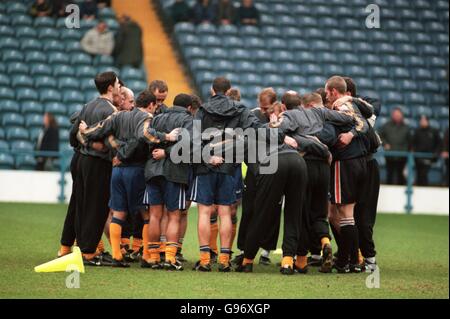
(299,44)
(43,69)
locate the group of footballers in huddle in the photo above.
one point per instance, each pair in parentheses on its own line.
(138,165)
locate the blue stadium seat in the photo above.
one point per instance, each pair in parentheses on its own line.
(132,73)
(211,41)
(6,31)
(283,56)
(286,21)
(4,146)
(63,70)
(6,161)
(9,106)
(25,162)
(429,50)
(250,78)
(106,13)
(206,28)
(12,119)
(391,97)
(385,84)
(103,60)
(280,9)
(57,58)
(233,42)
(40,69)
(437,62)
(49,95)
(294,81)
(32,107)
(262,55)
(4,20)
(441,112)
(348,58)
(287,32)
(290,68)
(298,44)
(194,52)
(415,61)
(189,39)
(400,37)
(307,21)
(217,53)
(12,56)
(273,80)
(22,81)
(31,45)
(63,121)
(184,27)
(413,98)
(422,74)
(21,20)
(224,66)
(406,49)
(400,73)
(300,9)
(4,80)
(73,97)
(241,54)
(305,57)
(254,42)
(392,60)
(234,77)
(80,59)
(333,69)
(9,43)
(245,66)
(228,30)
(53,45)
(314,33)
(6,93)
(16,134)
(408,85)
(201,65)
(205,77)
(84,71)
(325,57)
(25,94)
(16,8)
(44,22)
(86,25)
(35,57)
(267,67)
(68,83)
(418,111)
(86,83)
(311,69)
(33,120)
(386,48)
(276,44)
(45,82)
(34,133)
(71,34)
(55,108)
(248,30)
(48,34)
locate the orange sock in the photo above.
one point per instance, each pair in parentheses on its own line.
(115,231)
(171,251)
(224,258)
(145,253)
(324,241)
(153,251)
(301,262)
(247,261)
(137,243)
(287,261)
(205,257)
(162,247)
(213,238)
(360,257)
(64,250)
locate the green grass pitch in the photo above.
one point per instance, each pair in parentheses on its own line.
(412,255)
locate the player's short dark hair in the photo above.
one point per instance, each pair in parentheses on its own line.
(312,98)
(183,100)
(145,98)
(351,86)
(221,85)
(291,101)
(104,80)
(323,94)
(338,83)
(158,84)
(196,101)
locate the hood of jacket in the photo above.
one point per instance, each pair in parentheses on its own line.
(222,105)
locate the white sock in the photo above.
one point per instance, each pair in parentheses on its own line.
(265,253)
(371,260)
(316,257)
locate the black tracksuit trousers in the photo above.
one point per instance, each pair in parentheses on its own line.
(289,180)
(248,212)
(366,210)
(92,196)
(315,208)
(68,232)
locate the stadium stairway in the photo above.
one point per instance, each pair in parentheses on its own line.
(159,56)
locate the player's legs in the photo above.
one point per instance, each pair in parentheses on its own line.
(204,232)
(214,233)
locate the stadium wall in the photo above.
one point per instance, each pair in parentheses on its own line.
(43,187)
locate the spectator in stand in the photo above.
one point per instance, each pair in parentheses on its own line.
(180,12)
(248,13)
(425,140)
(48,140)
(395,135)
(41,8)
(89,10)
(103,3)
(128,44)
(444,156)
(204,12)
(226,13)
(98,40)
(59,8)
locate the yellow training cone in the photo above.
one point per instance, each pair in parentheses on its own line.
(70,262)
